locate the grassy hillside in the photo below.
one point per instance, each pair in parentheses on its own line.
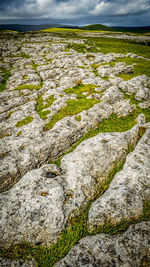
(97,27)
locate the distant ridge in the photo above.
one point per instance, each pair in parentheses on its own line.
(92,27)
(97,27)
(101,27)
(142,29)
(24,28)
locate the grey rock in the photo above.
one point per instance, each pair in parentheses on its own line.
(111,95)
(32,211)
(16,263)
(126,250)
(129,188)
(122,108)
(139,86)
(90,164)
(120,67)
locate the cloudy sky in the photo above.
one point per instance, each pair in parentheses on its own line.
(76,12)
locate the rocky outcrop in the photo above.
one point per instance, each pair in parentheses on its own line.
(128,249)
(124,198)
(139,86)
(53,97)
(36,209)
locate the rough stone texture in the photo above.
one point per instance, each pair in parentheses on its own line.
(140,86)
(126,36)
(32,211)
(119,68)
(13,263)
(123,108)
(90,164)
(127,249)
(41,196)
(38,206)
(44,62)
(123,199)
(22,153)
(112,94)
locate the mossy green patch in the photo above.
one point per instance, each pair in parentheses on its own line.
(40,106)
(73,107)
(78,118)
(43,114)
(24,55)
(24,121)
(19,133)
(95,66)
(81,67)
(4,135)
(30,87)
(81,88)
(142,66)
(6,74)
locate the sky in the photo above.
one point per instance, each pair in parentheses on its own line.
(76,12)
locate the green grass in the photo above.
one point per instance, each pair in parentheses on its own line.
(110,45)
(78,118)
(19,133)
(95,66)
(73,107)
(6,74)
(40,106)
(30,87)
(82,48)
(97,27)
(24,121)
(81,88)
(24,55)
(113,45)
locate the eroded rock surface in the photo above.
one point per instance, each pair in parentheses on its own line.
(124,198)
(15,263)
(51,97)
(91,163)
(38,206)
(128,249)
(41,69)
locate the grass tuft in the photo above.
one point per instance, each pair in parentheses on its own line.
(28,86)
(40,106)
(24,121)
(73,107)
(78,118)
(6,74)
(80,88)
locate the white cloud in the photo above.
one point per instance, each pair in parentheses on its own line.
(120,7)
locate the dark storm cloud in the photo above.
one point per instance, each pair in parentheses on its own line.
(110,12)
(7,4)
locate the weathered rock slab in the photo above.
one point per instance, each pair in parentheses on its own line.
(128,249)
(129,188)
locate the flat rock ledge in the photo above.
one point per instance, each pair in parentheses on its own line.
(124,198)
(16,263)
(125,250)
(37,208)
